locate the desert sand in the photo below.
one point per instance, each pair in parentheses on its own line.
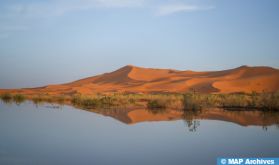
(132,79)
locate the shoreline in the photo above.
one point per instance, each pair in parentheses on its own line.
(188,101)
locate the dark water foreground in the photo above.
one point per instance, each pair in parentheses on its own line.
(50,134)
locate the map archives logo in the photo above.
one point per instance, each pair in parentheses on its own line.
(248,161)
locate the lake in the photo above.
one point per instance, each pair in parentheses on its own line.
(51,134)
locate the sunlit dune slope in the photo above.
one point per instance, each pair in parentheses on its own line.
(132,79)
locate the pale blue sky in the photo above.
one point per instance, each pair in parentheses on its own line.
(56,41)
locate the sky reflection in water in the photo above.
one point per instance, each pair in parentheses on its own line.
(65,135)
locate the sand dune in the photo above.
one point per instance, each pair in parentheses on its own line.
(132,79)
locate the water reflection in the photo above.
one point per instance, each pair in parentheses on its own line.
(157,110)
(191,117)
(50,135)
(241,117)
(7,100)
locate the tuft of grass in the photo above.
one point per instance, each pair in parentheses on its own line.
(193,101)
(37,99)
(61,99)
(85,102)
(19,98)
(269,101)
(6,97)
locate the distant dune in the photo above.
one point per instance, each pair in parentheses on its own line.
(132,79)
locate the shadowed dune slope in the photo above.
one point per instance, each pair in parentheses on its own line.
(132,79)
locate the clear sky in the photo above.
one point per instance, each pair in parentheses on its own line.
(56,41)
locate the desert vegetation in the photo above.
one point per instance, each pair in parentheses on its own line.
(235,101)
(187,101)
(259,101)
(151,101)
(8,98)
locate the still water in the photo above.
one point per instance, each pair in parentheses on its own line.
(47,134)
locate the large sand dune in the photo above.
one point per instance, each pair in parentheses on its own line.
(132,79)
